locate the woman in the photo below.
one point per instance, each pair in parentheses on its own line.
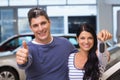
(88,63)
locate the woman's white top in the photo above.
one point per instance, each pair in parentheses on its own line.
(77,74)
(74,73)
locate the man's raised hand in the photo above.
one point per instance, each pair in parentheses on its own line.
(22,54)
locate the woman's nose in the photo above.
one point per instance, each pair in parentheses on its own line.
(86,40)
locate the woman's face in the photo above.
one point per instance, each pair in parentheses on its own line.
(85,40)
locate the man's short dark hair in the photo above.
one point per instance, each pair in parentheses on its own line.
(36,12)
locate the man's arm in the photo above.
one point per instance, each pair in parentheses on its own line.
(23,58)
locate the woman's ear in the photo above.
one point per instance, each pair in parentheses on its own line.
(77,38)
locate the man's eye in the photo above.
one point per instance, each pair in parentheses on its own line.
(35,25)
(43,23)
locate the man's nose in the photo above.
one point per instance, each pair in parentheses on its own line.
(40,27)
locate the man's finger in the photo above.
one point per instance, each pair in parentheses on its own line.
(24,44)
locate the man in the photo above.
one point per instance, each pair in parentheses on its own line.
(46,57)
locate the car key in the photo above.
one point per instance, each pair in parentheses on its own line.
(101,47)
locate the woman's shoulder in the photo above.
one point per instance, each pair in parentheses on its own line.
(72,55)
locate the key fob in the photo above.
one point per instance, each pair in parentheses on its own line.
(101,47)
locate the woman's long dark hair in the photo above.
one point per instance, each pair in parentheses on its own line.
(91,67)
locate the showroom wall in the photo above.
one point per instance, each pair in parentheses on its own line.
(105,16)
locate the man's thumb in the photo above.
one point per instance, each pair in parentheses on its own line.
(24,44)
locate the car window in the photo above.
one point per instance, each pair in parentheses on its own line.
(27,39)
(114,57)
(73,41)
(14,43)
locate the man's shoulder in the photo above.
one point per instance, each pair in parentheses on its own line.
(60,38)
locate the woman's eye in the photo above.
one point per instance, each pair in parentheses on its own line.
(90,37)
(82,38)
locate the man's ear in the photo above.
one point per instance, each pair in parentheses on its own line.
(31,28)
(49,21)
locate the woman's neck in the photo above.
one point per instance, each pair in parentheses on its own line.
(83,53)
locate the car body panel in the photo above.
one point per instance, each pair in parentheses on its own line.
(9,61)
(9,47)
(7,57)
(114,65)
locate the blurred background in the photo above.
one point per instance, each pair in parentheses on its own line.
(65,17)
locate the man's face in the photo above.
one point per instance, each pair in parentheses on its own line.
(40,26)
